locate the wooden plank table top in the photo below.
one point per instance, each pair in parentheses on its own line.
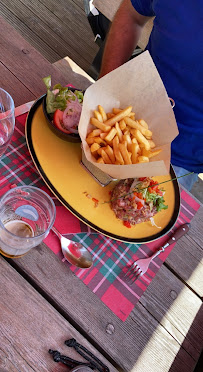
(43,302)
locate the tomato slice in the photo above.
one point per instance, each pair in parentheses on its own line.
(58,121)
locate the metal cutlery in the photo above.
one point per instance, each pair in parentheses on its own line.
(139,267)
(74,252)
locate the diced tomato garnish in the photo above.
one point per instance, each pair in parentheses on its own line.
(142,178)
(139,205)
(155,188)
(151,190)
(58,121)
(127,224)
(152,182)
(139,195)
(96,202)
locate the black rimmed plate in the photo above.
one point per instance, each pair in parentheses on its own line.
(58,163)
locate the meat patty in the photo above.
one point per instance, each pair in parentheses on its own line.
(125,207)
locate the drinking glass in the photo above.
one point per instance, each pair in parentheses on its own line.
(7,120)
(26,216)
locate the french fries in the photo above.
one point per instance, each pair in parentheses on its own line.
(110,153)
(117,153)
(98,116)
(124,153)
(102,112)
(98,124)
(121,115)
(105,157)
(111,134)
(135,151)
(143,159)
(94,147)
(118,138)
(94,133)
(136,125)
(140,138)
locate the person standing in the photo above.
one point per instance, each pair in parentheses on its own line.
(176,47)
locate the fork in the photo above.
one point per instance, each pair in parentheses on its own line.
(138,268)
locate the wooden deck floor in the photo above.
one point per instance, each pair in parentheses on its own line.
(56,28)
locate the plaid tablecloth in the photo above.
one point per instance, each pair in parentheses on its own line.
(111,258)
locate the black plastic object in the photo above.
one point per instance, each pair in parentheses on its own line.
(85,353)
(98,23)
(72,363)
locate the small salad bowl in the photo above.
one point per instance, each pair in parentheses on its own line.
(55,118)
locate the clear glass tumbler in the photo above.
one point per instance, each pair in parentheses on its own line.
(26,216)
(7,120)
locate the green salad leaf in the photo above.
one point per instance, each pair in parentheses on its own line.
(79,94)
(59,100)
(160,204)
(158,200)
(152,198)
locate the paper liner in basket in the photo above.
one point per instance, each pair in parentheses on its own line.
(136,83)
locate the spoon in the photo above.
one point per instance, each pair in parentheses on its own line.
(74,252)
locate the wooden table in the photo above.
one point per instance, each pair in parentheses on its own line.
(43,303)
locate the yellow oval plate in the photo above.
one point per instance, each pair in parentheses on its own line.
(58,163)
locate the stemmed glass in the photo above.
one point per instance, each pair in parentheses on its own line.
(7,119)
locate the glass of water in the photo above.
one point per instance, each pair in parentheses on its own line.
(26,216)
(7,120)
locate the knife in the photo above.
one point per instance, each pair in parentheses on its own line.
(23,108)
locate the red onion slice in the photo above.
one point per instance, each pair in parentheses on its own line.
(71,115)
(72,130)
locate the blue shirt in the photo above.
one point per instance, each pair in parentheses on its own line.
(176,46)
